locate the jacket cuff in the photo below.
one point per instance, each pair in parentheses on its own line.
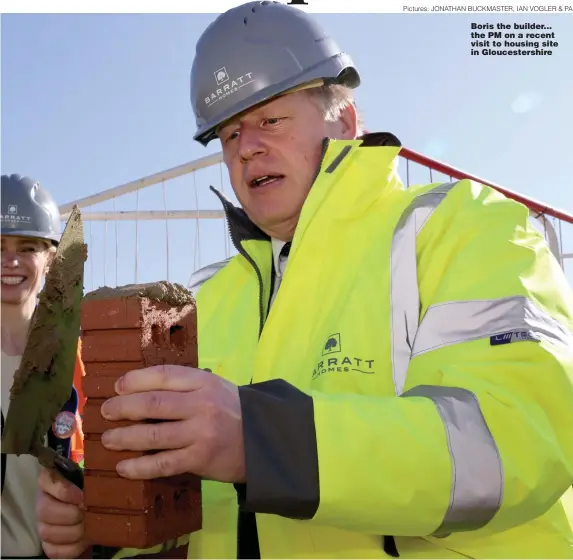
(281,457)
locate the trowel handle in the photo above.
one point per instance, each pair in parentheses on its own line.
(70,471)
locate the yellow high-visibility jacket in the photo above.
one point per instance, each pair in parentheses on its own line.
(410,391)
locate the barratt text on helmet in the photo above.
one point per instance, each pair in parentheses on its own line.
(227,86)
(14,217)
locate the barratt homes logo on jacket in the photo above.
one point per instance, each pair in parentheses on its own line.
(335,360)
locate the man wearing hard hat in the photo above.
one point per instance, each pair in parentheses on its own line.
(30,234)
(403,387)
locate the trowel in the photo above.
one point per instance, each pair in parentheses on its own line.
(43,382)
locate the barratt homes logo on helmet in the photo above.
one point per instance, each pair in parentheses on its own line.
(221,76)
(338,361)
(65,425)
(13,216)
(227,86)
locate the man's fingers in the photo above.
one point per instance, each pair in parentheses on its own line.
(51,483)
(162,378)
(53,511)
(61,534)
(164,463)
(144,437)
(159,405)
(65,551)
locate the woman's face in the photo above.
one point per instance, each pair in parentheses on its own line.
(25,261)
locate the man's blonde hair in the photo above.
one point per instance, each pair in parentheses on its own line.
(332,100)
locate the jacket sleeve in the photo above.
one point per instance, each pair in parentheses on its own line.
(480,437)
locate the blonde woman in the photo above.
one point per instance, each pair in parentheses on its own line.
(30,235)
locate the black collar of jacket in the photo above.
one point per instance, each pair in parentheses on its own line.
(241,228)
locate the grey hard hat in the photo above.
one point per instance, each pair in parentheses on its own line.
(255,52)
(28,209)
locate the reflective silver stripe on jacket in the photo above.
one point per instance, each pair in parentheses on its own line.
(461,321)
(477,477)
(404,293)
(199,277)
(477,470)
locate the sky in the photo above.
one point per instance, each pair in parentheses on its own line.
(93,101)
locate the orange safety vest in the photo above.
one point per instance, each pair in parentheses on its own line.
(77,444)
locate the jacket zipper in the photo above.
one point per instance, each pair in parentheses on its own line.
(239,247)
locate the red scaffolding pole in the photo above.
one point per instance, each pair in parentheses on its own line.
(543,209)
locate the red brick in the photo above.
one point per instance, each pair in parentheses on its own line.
(165,334)
(140,529)
(111,314)
(98,458)
(103,490)
(115,345)
(141,514)
(111,369)
(99,387)
(94,423)
(120,335)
